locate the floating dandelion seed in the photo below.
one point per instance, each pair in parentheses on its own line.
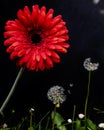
(56,94)
(69,91)
(102,11)
(71,85)
(88,65)
(96,1)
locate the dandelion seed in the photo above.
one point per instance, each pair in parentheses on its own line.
(71,85)
(56,94)
(102,11)
(69,91)
(88,65)
(96,1)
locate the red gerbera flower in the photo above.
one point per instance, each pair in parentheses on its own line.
(35,38)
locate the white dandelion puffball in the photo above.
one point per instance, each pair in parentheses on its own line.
(88,65)
(56,94)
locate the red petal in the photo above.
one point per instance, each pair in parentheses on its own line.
(27,13)
(48,52)
(33,65)
(41,64)
(61,32)
(13,26)
(43,55)
(52,47)
(13,55)
(48,20)
(22,17)
(56,20)
(55,57)
(38,57)
(21,52)
(60,49)
(9,41)
(42,15)
(23,60)
(35,13)
(49,63)
(10,49)
(57,28)
(65,45)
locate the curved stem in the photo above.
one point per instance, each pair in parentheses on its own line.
(11,90)
(87,96)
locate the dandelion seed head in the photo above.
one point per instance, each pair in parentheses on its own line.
(56,94)
(88,65)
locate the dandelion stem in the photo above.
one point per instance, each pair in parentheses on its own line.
(30,119)
(11,90)
(54,114)
(87,97)
(74,110)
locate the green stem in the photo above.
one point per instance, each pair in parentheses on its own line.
(87,97)
(74,110)
(30,119)
(54,114)
(47,123)
(11,91)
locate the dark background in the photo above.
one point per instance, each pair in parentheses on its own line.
(85,20)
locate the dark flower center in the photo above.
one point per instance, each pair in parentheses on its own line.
(36,38)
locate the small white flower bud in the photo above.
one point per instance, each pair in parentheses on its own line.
(5,125)
(69,120)
(31,110)
(101,125)
(81,116)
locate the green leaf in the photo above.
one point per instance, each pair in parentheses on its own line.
(5,129)
(77,125)
(62,127)
(58,119)
(82,128)
(91,125)
(30,128)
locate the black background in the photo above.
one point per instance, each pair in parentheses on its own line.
(86,30)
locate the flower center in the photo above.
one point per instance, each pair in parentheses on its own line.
(36,38)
